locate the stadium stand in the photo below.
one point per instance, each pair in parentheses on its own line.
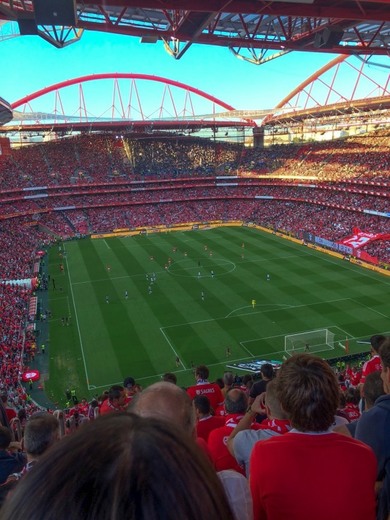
(98,183)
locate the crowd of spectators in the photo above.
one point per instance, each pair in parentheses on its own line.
(97,183)
(218,441)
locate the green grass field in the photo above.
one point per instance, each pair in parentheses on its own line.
(141,336)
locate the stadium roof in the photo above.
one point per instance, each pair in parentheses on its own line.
(254,30)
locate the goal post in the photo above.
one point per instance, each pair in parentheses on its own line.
(311,341)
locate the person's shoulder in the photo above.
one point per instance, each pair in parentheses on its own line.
(219,432)
(255,435)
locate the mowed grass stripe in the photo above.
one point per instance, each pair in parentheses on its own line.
(302,295)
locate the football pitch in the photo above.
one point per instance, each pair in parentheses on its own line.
(144,305)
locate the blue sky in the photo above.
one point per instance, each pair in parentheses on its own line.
(32,64)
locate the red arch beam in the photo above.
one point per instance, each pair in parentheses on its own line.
(119,75)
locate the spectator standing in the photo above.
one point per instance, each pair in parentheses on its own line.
(204,387)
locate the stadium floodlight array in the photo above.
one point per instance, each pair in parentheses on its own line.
(311,341)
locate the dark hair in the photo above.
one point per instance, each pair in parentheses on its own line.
(121,466)
(384,352)
(202,372)
(5,437)
(115,392)
(352,395)
(202,403)
(373,388)
(376,341)
(309,392)
(129,382)
(267,371)
(236,401)
(169,377)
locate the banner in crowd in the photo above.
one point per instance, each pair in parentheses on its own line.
(361,238)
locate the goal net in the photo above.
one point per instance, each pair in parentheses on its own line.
(311,341)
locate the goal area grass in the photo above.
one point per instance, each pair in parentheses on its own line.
(144,305)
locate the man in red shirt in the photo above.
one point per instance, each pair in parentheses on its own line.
(374,363)
(115,402)
(205,422)
(236,404)
(310,472)
(204,387)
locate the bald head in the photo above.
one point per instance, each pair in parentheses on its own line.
(168,402)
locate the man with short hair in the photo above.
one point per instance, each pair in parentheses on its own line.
(267,374)
(374,363)
(245,435)
(311,472)
(41,432)
(115,402)
(372,390)
(205,421)
(236,403)
(204,387)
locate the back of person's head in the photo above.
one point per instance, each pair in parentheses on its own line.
(384,352)
(228,379)
(128,382)
(41,432)
(202,372)
(168,402)
(376,342)
(121,466)
(169,377)
(219,382)
(372,388)
(202,404)
(272,401)
(236,401)
(309,392)
(247,378)
(352,395)
(5,437)
(267,371)
(115,392)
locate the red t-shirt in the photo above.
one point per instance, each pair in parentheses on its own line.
(205,425)
(370,366)
(351,411)
(107,407)
(217,443)
(307,476)
(210,390)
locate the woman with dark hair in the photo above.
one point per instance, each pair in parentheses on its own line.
(121,467)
